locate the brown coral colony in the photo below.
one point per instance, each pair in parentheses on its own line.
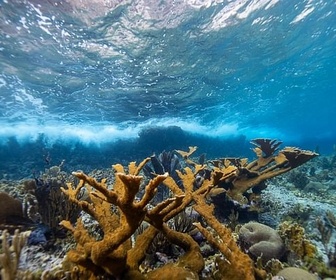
(117,254)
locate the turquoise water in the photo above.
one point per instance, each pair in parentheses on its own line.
(97,72)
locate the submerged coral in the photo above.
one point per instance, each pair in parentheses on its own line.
(120,212)
(239,176)
(261,241)
(295,273)
(127,229)
(11,252)
(299,247)
(243,181)
(115,254)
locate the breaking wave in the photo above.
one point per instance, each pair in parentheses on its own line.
(105,72)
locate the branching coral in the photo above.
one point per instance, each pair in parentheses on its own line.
(10,256)
(114,252)
(238,176)
(110,253)
(120,211)
(237,265)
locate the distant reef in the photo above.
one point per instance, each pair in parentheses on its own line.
(23,159)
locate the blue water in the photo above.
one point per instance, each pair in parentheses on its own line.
(93,73)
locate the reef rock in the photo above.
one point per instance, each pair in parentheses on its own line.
(11,208)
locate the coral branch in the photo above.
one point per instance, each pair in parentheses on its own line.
(10,256)
(120,209)
(237,265)
(238,176)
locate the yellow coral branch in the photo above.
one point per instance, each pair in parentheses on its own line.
(131,185)
(111,196)
(163,211)
(134,169)
(150,190)
(138,252)
(238,265)
(10,256)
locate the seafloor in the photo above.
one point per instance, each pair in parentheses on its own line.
(298,205)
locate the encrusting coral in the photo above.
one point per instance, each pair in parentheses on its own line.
(120,213)
(294,235)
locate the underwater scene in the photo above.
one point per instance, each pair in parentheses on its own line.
(171,139)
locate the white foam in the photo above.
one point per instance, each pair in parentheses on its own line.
(101,133)
(67,133)
(98,133)
(194,127)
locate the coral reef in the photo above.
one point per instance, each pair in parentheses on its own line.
(121,208)
(159,219)
(114,254)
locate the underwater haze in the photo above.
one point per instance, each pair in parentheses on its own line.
(123,79)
